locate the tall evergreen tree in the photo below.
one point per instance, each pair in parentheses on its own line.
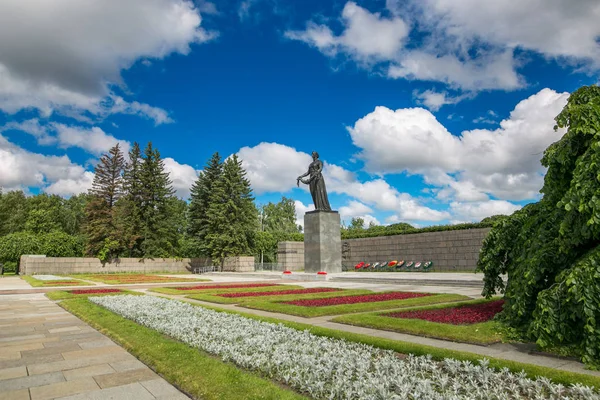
(159,230)
(130,206)
(107,187)
(200,201)
(232,216)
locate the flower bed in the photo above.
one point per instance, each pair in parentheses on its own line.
(49,277)
(94,291)
(232,286)
(367,298)
(461,315)
(326,368)
(278,293)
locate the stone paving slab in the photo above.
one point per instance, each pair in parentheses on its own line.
(54,355)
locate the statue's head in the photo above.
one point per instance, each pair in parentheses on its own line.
(315,155)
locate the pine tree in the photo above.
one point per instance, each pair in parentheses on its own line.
(130,206)
(101,230)
(232,215)
(200,200)
(159,231)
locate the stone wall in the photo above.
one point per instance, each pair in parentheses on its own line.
(290,255)
(456,250)
(31,265)
(239,264)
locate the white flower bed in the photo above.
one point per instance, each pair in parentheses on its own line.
(51,278)
(328,368)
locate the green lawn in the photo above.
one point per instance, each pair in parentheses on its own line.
(309,312)
(480,333)
(193,371)
(167,290)
(65,295)
(120,278)
(39,283)
(213,298)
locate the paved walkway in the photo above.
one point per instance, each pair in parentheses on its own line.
(47,353)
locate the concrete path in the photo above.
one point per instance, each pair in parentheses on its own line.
(47,353)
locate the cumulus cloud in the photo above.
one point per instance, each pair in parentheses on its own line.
(504,162)
(476,211)
(273,167)
(182,175)
(367,36)
(459,43)
(435,100)
(93,140)
(302,209)
(64,55)
(20,169)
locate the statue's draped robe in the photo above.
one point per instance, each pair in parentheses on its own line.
(317,187)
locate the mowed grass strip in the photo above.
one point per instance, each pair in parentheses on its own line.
(224,289)
(215,298)
(193,371)
(39,283)
(66,294)
(479,333)
(120,279)
(437,353)
(309,312)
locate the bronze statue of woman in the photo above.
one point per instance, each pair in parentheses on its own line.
(316,183)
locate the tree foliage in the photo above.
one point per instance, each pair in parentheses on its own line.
(101,230)
(232,215)
(550,250)
(200,195)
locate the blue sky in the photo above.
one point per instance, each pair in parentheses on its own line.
(426,112)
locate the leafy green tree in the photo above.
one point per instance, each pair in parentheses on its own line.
(356,223)
(200,193)
(103,237)
(13,212)
(73,214)
(550,250)
(159,231)
(278,217)
(232,215)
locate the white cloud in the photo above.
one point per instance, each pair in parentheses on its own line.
(476,211)
(273,167)
(93,140)
(301,209)
(244,9)
(20,168)
(354,209)
(64,55)
(435,100)
(460,43)
(32,127)
(554,28)
(367,36)
(504,162)
(182,175)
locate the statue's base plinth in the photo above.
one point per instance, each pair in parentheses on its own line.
(322,242)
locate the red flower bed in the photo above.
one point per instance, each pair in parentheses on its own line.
(279,292)
(94,291)
(365,298)
(61,283)
(232,286)
(471,314)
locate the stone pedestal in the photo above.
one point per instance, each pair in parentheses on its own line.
(322,242)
